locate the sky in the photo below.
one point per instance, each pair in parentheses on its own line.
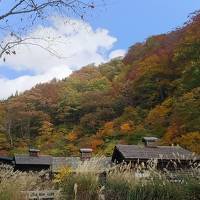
(107,33)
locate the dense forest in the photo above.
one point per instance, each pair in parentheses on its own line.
(153,90)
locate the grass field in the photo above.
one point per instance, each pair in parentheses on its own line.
(120,183)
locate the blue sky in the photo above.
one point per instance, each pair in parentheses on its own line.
(133,21)
(109,32)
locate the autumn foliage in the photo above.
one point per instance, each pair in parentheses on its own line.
(154,90)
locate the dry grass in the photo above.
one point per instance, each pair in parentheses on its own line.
(13,182)
(92,166)
(122,182)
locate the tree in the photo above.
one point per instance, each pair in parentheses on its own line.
(107,130)
(126,128)
(190,141)
(72,136)
(4,146)
(158,118)
(96,142)
(27,13)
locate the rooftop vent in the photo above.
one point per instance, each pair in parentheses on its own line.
(34,152)
(86,153)
(150,141)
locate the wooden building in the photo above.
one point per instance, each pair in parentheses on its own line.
(36,162)
(6,160)
(32,162)
(169,157)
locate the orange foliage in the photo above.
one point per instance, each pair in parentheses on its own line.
(72,136)
(107,130)
(95,143)
(126,128)
(172,133)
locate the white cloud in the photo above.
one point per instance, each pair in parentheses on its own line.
(117,53)
(22,83)
(74,40)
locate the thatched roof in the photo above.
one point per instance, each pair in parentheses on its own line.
(33,160)
(132,152)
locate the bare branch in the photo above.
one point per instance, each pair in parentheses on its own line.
(35,10)
(31,41)
(11,10)
(31,6)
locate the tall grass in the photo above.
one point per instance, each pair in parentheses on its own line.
(12,183)
(121,182)
(85,176)
(124,183)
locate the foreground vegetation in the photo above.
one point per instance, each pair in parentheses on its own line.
(120,188)
(154,90)
(121,183)
(12,183)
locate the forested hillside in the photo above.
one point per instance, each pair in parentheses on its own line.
(154,90)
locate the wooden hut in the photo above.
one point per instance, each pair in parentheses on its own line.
(32,162)
(6,160)
(169,157)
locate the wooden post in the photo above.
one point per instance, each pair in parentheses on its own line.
(75,190)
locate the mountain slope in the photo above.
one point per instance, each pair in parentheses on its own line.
(154,90)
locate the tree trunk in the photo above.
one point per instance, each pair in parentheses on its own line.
(9,132)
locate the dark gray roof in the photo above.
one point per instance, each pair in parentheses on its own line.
(159,152)
(33,160)
(6,158)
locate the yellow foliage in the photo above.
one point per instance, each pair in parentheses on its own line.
(108,130)
(109,125)
(108,150)
(190,141)
(4,144)
(62,174)
(72,136)
(152,64)
(46,129)
(72,149)
(3,138)
(126,127)
(159,113)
